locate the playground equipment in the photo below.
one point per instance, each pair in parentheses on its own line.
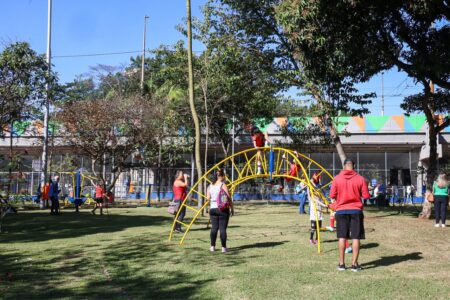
(275,165)
(77,188)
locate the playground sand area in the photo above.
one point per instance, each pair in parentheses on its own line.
(126,255)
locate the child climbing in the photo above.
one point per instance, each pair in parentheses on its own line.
(260,140)
(315,214)
(294,168)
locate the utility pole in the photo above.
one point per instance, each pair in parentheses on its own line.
(143,53)
(232,145)
(47,101)
(382,93)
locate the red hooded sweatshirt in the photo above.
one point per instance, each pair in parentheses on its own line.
(348,187)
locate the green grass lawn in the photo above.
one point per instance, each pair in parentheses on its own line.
(126,255)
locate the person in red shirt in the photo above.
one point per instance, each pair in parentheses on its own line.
(316,179)
(259,141)
(45,192)
(294,168)
(180,186)
(99,197)
(348,189)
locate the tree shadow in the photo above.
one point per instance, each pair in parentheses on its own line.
(363,246)
(109,278)
(329,241)
(391,260)
(369,245)
(411,211)
(258,245)
(204,228)
(37,227)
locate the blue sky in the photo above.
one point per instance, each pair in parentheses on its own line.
(106,26)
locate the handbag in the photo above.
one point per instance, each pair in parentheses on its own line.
(173,207)
(430,198)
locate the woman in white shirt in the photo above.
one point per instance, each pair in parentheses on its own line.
(219,218)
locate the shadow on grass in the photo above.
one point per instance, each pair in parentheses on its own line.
(384,212)
(258,245)
(37,227)
(385,261)
(363,246)
(369,245)
(204,228)
(113,277)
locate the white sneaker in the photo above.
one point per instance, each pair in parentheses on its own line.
(212,249)
(437,225)
(224,250)
(443,225)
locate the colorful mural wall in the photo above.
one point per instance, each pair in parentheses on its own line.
(368,124)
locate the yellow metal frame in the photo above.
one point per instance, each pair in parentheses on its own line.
(248,172)
(89,199)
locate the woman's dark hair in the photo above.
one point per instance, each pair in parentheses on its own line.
(178,173)
(255,130)
(220,173)
(50,179)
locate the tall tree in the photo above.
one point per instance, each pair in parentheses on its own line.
(257,24)
(109,130)
(23,78)
(236,83)
(197,157)
(369,37)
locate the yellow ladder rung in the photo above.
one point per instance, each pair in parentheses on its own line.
(191,208)
(184,224)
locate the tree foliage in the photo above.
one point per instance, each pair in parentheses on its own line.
(109,130)
(235,82)
(260,24)
(370,36)
(23,79)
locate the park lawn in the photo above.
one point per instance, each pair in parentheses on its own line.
(126,255)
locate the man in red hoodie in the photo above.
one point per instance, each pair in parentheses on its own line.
(348,189)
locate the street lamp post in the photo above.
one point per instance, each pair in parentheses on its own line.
(47,101)
(143,53)
(232,145)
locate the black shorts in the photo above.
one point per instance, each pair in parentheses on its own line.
(350,226)
(99,200)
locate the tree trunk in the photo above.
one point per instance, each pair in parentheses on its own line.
(433,160)
(159,170)
(205,97)
(198,162)
(225,147)
(432,141)
(338,144)
(10,160)
(326,120)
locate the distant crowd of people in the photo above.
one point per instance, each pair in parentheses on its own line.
(51,190)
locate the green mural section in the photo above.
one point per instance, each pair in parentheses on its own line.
(414,123)
(374,124)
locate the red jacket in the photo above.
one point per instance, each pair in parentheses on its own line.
(347,188)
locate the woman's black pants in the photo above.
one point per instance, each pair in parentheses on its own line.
(440,208)
(219,221)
